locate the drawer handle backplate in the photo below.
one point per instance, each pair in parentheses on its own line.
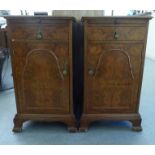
(116,35)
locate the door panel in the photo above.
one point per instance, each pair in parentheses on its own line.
(111,77)
(39,74)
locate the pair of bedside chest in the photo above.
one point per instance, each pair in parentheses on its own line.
(42,49)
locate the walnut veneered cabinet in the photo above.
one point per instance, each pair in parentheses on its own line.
(114,52)
(41,51)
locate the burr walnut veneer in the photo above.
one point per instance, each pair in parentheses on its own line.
(41,50)
(114,52)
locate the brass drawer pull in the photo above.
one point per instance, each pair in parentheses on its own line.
(91,72)
(116,35)
(39,35)
(65,69)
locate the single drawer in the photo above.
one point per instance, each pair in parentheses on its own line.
(116,33)
(38,32)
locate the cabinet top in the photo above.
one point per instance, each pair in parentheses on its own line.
(40,17)
(104,19)
(117,20)
(116,17)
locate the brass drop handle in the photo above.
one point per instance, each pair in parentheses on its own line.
(65,68)
(91,72)
(39,35)
(116,35)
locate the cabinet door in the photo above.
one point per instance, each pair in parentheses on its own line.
(41,75)
(112,73)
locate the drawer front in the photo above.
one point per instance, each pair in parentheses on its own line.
(38,32)
(112,33)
